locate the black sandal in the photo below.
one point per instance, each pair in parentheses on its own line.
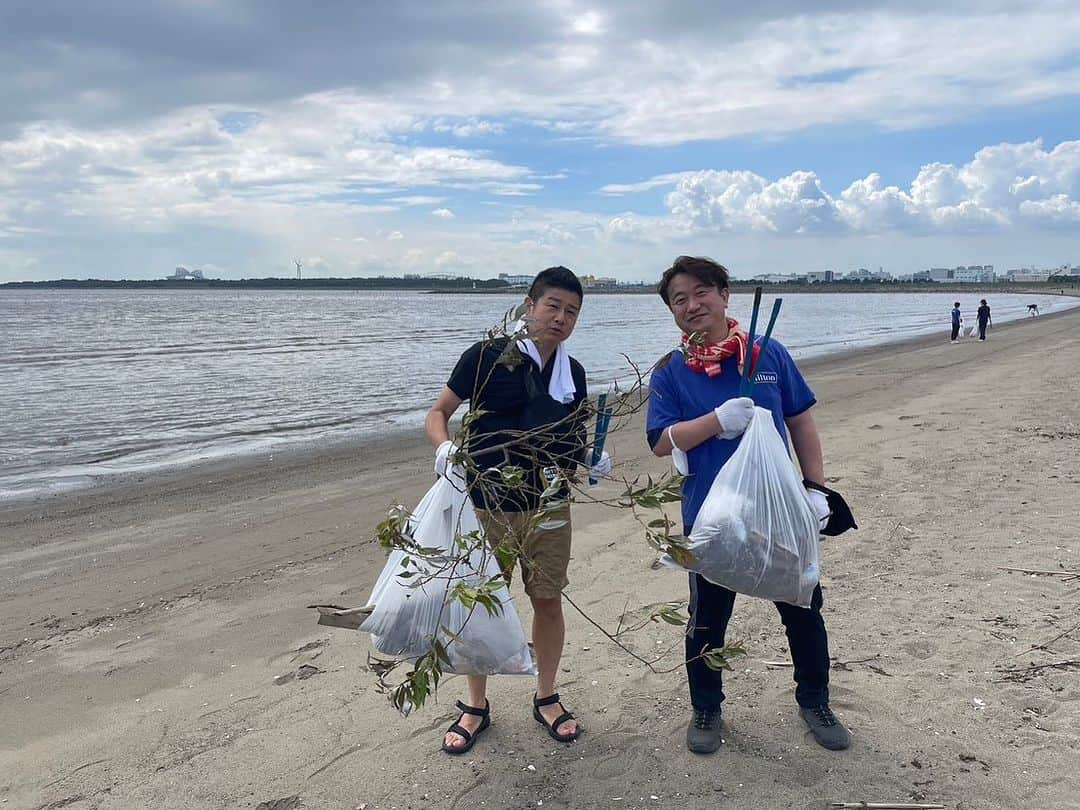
(551,700)
(470,739)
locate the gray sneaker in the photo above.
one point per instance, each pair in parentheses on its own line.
(703,733)
(828,731)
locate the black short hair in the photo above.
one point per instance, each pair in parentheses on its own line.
(561,278)
(703,269)
(956,303)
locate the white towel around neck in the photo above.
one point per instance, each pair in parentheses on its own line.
(561,388)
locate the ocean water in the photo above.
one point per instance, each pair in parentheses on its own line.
(95,383)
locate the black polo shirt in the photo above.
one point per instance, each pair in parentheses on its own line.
(512,400)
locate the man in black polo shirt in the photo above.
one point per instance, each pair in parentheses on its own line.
(532,417)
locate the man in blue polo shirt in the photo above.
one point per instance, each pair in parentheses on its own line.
(696,415)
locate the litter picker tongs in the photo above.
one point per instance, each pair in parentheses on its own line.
(746,385)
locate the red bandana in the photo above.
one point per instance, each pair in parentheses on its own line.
(707,357)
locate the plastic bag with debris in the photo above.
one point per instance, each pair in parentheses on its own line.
(756,532)
(411,604)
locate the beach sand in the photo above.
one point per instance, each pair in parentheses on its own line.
(144,629)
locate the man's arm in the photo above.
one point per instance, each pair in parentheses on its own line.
(437,421)
(688,435)
(807,443)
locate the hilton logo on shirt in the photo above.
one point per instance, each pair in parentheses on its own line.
(766,377)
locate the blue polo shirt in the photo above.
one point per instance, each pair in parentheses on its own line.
(677,394)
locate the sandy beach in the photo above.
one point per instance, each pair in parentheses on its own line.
(152,635)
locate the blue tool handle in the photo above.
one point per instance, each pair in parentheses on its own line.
(768,331)
(746,387)
(746,384)
(603,416)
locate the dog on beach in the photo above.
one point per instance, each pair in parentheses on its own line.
(1033,310)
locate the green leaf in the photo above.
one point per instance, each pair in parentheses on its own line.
(719,658)
(512,476)
(672,616)
(506,556)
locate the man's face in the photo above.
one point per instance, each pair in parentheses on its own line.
(697,306)
(553,315)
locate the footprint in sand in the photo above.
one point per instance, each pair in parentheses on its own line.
(919,649)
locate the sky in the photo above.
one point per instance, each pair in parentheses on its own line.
(479,138)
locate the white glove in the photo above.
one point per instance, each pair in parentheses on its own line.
(733,416)
(602,468)
(442,457)
(820,505)
(679,458)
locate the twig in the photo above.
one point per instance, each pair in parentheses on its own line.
(1046,644)
(622,615)
(609,636)
(846,665)
(887,806)
(1065,576)
(1023,673)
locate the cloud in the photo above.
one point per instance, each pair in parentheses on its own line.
(633,72)
(471,128)
(616,189)
(1001,186)
(634,229)
(443,213)
(742,200)
(417,199)
(450,258)
(187,167)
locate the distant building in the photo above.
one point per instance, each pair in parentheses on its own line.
(183,272)
(972,274)
(516,280)
(864,275)
(598,282)
(975,273)
(1027,276)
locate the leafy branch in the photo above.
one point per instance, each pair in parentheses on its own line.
(525,451)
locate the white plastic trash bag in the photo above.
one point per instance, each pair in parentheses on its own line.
(974,331)
(411,609)
(756,532)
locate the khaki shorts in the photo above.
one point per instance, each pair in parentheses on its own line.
(544,553)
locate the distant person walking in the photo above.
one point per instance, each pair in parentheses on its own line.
(983,317)
(955,321)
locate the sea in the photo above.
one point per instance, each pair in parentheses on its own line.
(100,383)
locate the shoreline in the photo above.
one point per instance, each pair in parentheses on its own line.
(151,637)
(335,452)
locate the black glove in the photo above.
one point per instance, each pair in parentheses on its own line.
(841,519)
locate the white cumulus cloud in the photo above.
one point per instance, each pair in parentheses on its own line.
(1001,186)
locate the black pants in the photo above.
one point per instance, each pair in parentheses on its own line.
(955,331)
(982,330)
(710,611)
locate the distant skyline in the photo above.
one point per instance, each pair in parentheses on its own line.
(451,137)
